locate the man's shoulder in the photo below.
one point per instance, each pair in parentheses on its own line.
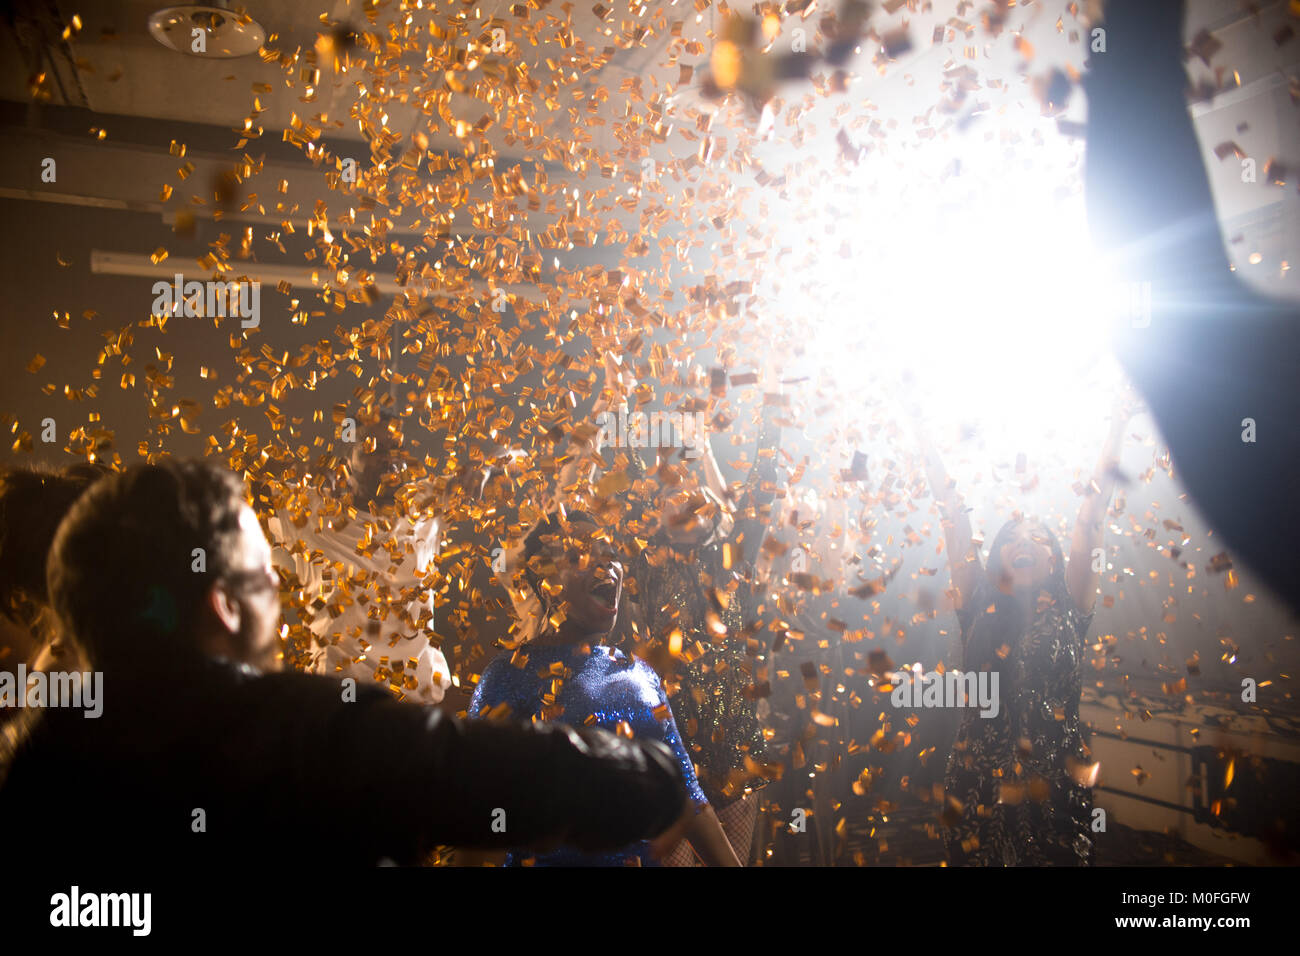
(310,717)
(293,688)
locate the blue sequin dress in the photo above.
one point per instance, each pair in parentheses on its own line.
(593,680)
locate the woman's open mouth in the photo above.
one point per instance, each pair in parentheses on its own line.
(606,593)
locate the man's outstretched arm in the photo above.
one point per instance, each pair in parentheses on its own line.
(489,784)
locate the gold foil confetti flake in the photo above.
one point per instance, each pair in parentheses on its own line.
(1205,46)
(714,626)
(501,711)
(1229,148)
(1219,563)
(37,362)
(823,720)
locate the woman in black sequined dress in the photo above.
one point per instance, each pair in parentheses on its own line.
(1018,783)
(1015,781)
(687,586)
(696,576)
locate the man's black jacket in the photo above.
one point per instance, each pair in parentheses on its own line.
(279,769)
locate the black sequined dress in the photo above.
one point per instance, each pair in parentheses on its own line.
(715,703)
(691,588)
(1020,776)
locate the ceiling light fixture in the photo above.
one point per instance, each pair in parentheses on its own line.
(210,30)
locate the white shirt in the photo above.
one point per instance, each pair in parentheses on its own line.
(364,596)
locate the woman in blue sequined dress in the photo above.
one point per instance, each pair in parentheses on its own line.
(567,674)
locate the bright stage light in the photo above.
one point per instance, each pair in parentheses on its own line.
(969,266)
